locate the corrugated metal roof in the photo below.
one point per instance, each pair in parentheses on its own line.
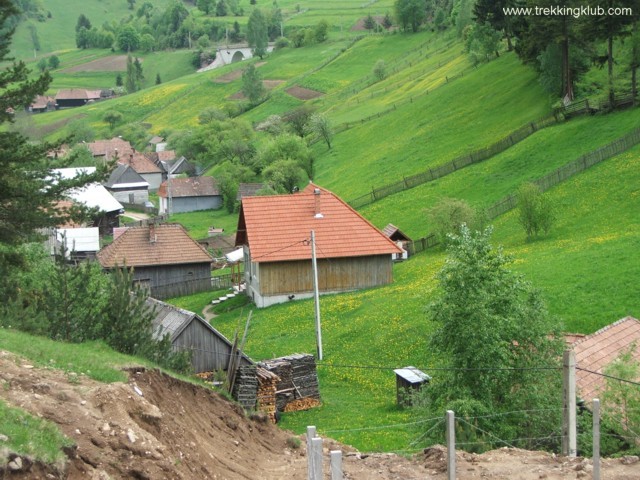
(80,239)
(412,375)
(92,195)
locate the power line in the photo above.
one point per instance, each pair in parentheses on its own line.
(438,369)
(280,249)
(609,376)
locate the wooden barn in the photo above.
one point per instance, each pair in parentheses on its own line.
(76,97)
(190,194)
(275,232)
(126,185)
(163,257)
(210,350)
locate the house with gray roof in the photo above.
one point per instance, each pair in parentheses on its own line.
(127,185)
(189,194)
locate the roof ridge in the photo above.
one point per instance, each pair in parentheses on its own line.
(604,329)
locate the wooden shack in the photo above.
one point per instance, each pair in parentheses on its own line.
(409,380)
(210,350)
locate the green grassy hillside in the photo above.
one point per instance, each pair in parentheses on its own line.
(58,32)
(583,269)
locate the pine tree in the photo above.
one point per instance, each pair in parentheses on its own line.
(158,79)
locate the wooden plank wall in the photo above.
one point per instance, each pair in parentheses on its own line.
(282,278)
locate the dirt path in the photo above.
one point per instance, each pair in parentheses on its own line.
(137,215)
(158,427)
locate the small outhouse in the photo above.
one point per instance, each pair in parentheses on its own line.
(409,380)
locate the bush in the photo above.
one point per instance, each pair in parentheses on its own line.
(535,211)
(449,214)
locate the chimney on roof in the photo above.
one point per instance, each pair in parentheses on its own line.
(316,195)
(153,237)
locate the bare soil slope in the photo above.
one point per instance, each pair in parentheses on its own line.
(158,427)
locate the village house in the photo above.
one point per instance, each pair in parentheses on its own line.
(76,97)
(248,190)
(163,257)
(597,351)
(189,194)
(148,170)
(107,150)
(42,103)
(95,196)
(126,185)
(170,165)
(275,232)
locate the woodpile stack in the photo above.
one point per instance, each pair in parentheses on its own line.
(301,404)
(298,380)
(245,387)
(267,383)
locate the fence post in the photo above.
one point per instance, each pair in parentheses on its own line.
(451,446)
(336,464)
(316,454)
(569,446)
(596,439)
(311,433)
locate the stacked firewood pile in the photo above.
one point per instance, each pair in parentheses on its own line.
(245,387)
(267,382)
(298,381)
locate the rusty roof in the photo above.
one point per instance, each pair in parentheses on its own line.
(278,228)
(394,233)
(110,148)
(249,189)
(77,94)
(598,350)
(165,244)
(190,187)
(139,162)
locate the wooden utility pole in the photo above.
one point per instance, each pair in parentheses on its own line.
(316,294)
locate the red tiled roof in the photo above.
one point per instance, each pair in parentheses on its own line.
(109,148)
(166,155)
(139,162)
(596,351)
(165,244)
(42,101)
(276,227)
(190,187)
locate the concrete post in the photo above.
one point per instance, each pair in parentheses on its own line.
(336,465)
(596,439)
(311,433)
(569,443)
(316,453)
(451,446)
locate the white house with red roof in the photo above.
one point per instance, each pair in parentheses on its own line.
(275,233)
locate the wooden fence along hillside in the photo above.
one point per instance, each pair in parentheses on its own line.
(581,107)
(456,164)
(559,175)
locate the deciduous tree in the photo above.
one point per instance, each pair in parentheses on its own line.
(535,210)
(257,35)
(252,86)
(497,341)
(410,13)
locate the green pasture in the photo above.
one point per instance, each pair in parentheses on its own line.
(470,113)
(484,183)
(58,32)
(586,265)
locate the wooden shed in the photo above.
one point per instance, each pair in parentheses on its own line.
(210,350)
(409,380)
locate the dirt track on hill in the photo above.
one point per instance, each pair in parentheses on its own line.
(158,427)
